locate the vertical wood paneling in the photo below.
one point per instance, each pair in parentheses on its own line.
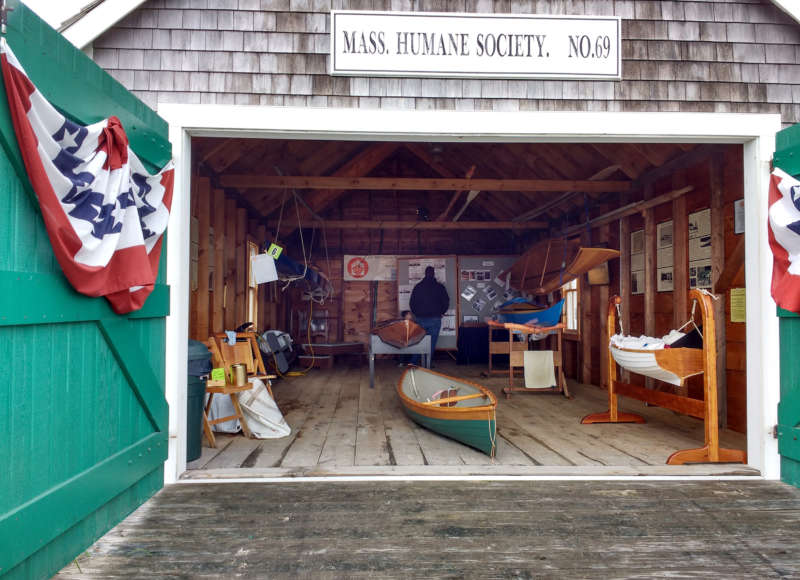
(650,278)
(203,224)
(625,282)
(680,261)
(218,221)
(717,265)
(241,267)
(229,294)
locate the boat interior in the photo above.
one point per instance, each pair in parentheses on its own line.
(512,229)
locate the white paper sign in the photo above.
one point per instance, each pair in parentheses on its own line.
(437,44)
(383,268)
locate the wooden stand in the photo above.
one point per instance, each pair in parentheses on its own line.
(223,355)
(233,391)
(516,355)
(706,409)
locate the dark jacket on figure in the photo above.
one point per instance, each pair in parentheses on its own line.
(429,298)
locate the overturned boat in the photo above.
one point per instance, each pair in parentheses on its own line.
(399,333)
(552,263)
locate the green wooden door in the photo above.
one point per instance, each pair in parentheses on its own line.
(787,158)
(83,419)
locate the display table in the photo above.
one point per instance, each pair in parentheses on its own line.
(377,346)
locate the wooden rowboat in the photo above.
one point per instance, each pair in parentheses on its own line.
(399,333)
(456,408)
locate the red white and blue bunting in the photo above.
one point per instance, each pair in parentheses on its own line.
(784,239)
(104,213)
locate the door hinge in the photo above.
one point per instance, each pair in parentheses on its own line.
(774,431)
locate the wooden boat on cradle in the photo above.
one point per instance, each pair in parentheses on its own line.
(456,408)
(671,365)
(399,333)
(550,264)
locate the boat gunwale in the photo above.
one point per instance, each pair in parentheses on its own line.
(453,412)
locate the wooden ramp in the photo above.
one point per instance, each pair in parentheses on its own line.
(543,529)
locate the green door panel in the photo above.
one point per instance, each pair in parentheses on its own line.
(83,418)
(787,158)
(789,407)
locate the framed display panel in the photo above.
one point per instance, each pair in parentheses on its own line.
(480,291)
(411,270)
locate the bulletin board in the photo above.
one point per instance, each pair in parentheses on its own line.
(411,270)
(480,290)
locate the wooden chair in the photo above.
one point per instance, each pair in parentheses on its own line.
(246,352)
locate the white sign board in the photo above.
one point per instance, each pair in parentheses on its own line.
(433,44)
(371,268)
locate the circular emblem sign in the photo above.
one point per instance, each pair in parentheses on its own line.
(357,267)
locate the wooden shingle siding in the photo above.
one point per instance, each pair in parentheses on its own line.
(714,55)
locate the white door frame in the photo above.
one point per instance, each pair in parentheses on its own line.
(756,132)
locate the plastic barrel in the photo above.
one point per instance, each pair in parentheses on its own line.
(199,364)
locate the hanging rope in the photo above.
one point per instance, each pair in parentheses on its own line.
(302,246)
(280,216)
(619,320)
(546,258)
(492,432)
(691,320)
(563,264)
(327,258)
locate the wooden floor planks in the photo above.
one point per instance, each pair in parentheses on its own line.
(340,425)
(456,529)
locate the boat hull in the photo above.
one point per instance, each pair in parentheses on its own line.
(469,417)
(399,333)
(477,433)
(672,366)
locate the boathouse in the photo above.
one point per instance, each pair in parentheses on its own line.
(530,151)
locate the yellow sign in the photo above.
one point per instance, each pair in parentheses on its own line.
(738,313)
(274,251)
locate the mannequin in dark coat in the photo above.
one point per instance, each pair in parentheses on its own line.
(429,302)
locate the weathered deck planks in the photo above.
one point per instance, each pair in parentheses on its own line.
(552,529)
(340,425)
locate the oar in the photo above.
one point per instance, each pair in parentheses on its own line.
(455,399)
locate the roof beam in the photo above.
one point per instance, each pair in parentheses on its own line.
(418,184)
(630,209)
(421,225)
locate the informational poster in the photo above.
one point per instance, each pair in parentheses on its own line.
(448,323)
(403,297)
(738,312)
(417,266)
(410,270)
(700,274)
(637,262)
(664,257)
(700,249)
(370,268)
